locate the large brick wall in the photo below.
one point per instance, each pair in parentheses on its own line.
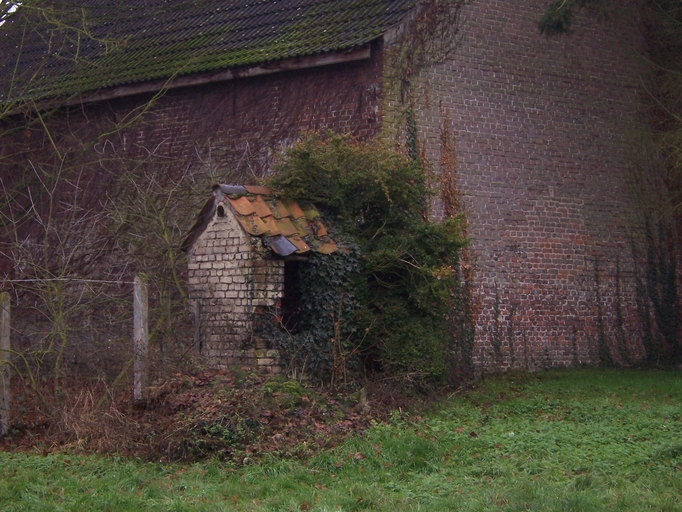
(237,127)
(543,133)
(233,131)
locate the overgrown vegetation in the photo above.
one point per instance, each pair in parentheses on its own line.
(558,18)
(68,254)
(235,416)
(89,197)
(384,300)
(661,287)
(430,36)
(578,440)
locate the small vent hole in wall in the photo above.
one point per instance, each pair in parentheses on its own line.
(221,211)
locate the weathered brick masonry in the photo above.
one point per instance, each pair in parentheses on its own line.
(543,128)
(232,129)
(240,124)
(230,274)
(237,127)
(237,253)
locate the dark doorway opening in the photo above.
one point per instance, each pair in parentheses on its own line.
(291,298)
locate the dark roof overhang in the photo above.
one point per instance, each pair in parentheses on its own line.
(325,59)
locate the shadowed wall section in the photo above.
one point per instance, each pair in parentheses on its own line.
(543,129)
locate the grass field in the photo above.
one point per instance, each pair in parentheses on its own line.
(572,440)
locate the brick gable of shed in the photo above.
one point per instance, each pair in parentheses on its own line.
(236,256)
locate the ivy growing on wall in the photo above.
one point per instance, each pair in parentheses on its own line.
(430,36)
(558,18)
(382,303)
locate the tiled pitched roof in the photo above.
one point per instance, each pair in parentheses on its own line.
(285,227)
(115,42)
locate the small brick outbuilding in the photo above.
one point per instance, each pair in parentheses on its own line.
(237,252)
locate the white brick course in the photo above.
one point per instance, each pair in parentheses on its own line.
(230,273)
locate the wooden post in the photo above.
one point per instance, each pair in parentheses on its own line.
(4,363)
(140,339)
(198,342)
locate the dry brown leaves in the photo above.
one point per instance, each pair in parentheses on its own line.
(230,415)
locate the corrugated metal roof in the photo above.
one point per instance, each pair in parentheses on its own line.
(285,227)
(104,43)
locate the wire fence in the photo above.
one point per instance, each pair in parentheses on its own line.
(71,334)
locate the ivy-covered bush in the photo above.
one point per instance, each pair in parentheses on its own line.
(381,302)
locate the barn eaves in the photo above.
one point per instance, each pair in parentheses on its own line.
(104,49)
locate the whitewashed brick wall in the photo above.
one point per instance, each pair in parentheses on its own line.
(233,277)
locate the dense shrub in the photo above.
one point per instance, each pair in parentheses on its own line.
(383,300)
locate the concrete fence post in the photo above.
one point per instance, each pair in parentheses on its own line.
(140,338)
(197,325)
(4,363)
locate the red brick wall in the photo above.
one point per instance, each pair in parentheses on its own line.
(229,130)
(237,126)
(543,130)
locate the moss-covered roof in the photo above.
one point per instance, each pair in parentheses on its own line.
(63,48)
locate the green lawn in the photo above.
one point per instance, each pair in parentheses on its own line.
(575,440)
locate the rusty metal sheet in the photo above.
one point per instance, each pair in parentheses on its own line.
(271,227)
(259,205)
(293,208)
(277,208)
(281,245)
(252,224)
(287,227)
(258,190)
(242,205)
(301,246)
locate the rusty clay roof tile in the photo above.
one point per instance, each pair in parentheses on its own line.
(303,227)
(277,208)
(310,211)
(301,246)
(259,205)
(242,205)
(293,208)
(323,247)
(287,227)
(252,224)
(271,227)
(318,228)
(258,190)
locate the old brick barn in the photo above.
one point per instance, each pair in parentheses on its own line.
(538,137)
